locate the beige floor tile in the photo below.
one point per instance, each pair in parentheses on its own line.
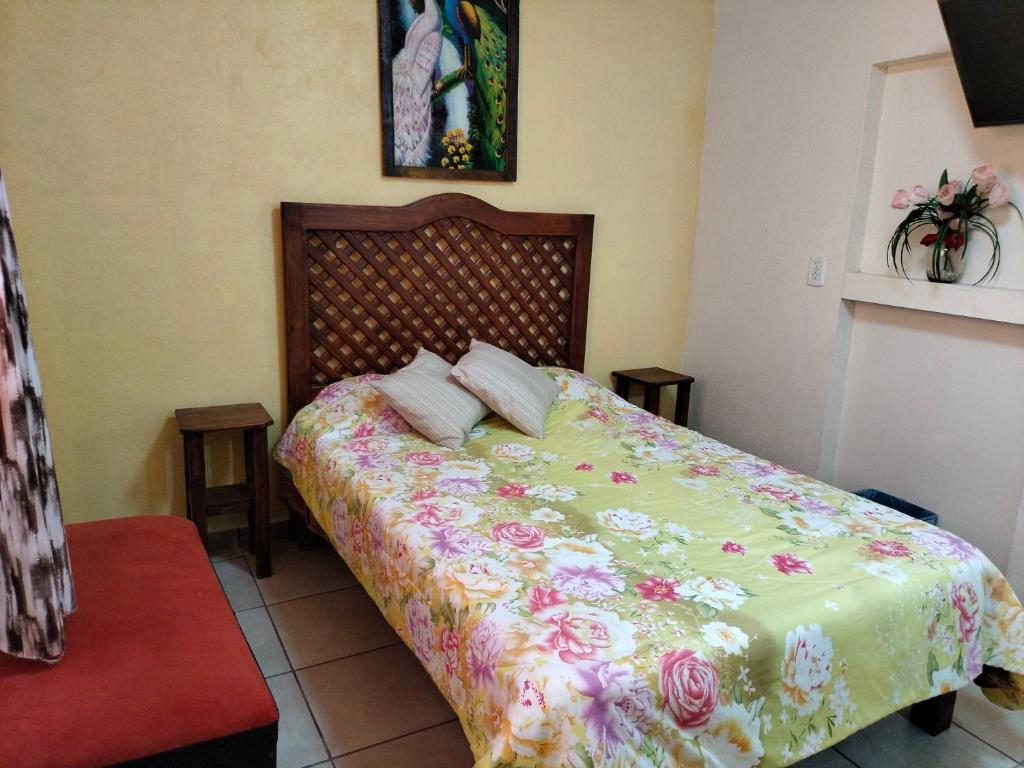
(893,741)
(443,746)
(298,743)
(302,572)
(329,626)
(373,697)
(1001,728)
(238,583)
(263,640)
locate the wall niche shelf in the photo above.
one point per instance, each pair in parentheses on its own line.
(1003,305)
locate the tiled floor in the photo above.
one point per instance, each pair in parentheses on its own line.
(348,689)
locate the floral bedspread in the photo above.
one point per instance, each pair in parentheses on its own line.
(626,592)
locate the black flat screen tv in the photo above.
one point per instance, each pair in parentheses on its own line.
(987,38)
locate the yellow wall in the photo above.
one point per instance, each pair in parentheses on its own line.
(147,145)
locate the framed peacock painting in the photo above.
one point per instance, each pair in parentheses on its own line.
(449,77)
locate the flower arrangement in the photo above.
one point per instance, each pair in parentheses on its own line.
(954,212)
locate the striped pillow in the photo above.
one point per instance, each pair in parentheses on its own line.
(433,403)
(515,390)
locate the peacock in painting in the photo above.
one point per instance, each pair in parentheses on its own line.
(450,84)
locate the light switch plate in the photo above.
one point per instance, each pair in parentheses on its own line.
(816,271)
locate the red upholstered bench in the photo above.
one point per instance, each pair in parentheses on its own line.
(156,671)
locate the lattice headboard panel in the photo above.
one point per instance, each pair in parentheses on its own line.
(366,286)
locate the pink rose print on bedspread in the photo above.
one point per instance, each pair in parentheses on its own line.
(542,598)
(575,638)
(519,535)
(689,687)
(424,458)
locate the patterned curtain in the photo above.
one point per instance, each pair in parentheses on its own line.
(35,575)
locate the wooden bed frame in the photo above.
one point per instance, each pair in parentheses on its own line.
(365,286)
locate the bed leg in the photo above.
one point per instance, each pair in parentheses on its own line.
(299,532)
(935,715)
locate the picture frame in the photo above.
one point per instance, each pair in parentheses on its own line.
(449,77)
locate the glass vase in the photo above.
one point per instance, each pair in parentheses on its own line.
(947,266)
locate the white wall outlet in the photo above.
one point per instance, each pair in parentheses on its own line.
(816,270)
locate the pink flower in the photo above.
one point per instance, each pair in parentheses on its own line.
(965,600)
(790,564)
(584,467)
(656,588)
(919,194)
(736,549)
(597,413)
(512,490)
(706,470)
(542,598)
(518,535)
(355,535)
(590,582)
(422,494)
(948,191)
(365,429)
(574,637)
(889,548)
(985,176)
(421,628)
(999,195)
(450,650)
(777,492)
(485,645)
(424,458)
(622,477)
(901,199)
(689,687)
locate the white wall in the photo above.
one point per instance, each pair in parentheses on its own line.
(933,411)
(788,371)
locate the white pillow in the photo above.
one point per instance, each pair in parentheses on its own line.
(515,390)
(433,403)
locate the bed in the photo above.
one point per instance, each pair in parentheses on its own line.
(623,591)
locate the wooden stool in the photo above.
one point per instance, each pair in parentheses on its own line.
(653,379)
(252,496)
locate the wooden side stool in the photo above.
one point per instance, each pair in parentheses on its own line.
(252,496)
(652,380)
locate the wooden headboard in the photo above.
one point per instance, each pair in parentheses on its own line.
(365,286)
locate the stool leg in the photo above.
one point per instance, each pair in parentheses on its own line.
(652,396)
(195,482)
(250,478)
(257,453)
(683,404)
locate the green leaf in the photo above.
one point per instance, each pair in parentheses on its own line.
(706,611)
(585,760)
(933,666)
(944,178)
